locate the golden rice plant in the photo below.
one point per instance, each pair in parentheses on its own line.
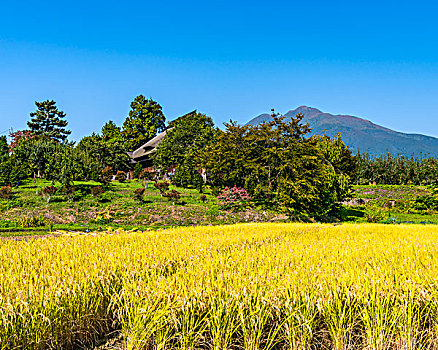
(246,286)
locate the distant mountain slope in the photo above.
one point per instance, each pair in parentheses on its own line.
(360,134)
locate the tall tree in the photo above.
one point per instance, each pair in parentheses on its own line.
(187,137)
(49,121)
(94,154)
(279,167)
(4,148)
(111,132)
(145,120)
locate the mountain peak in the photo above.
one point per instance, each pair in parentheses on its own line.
(361,134)
(309,109)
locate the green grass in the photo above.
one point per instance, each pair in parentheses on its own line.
(116,208)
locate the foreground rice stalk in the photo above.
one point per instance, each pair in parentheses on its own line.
(340,316)
(251,286)
(301,317)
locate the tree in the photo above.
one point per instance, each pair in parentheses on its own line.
(49,121)
(145,120)
(188,137)
(278,166)
(111,133)
(5,166)
(10,172)
(4,149)
(17,137)
(94,154)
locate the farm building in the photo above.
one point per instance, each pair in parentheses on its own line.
(143,154)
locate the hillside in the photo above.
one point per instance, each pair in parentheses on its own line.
(361,134)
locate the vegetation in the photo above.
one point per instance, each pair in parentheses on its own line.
(82,206)
(47,120)
(245,286)
(145,120)
(254,286)
(280,168)
(396,170)
(186,138)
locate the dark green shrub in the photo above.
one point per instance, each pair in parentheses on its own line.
(426,202)
(137,171)
(188,177)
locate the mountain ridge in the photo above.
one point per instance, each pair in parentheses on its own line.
(360,134)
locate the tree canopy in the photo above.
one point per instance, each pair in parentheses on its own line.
(145,120)
(278,166)
(49,121)
(186,138)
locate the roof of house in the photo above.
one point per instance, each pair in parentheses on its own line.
(149,147)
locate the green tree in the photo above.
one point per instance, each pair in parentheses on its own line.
(4,148)
(145,120)
(187,137)
(94,154)
(278,166)
(111,133)
(35,155)
(49,121)
(5,166)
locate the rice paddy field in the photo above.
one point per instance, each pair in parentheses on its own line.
(245,286)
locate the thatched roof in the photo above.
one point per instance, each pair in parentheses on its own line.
(149,147)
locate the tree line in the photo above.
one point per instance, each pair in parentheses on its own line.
(392,169)
(275,162)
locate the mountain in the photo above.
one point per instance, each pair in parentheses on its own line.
(361,134)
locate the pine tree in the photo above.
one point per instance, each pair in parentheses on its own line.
(49,121)
(145,120)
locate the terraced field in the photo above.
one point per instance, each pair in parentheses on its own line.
(246,286)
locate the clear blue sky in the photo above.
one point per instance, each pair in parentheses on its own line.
(229,59)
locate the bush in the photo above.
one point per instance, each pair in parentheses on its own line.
(6,193)
(121,176)
(146,175)
(162,186)
(374,213)
(138,194)
(33,221)
(173,196)
(97,192)
(105,216)
(233,198)
(426,202)
(106,176)
(69,191)
(48,191)
(137,171)
(187,176)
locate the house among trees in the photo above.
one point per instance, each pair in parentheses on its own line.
(143,154)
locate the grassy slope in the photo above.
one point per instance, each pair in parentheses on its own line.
(383,193)
(116,208)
